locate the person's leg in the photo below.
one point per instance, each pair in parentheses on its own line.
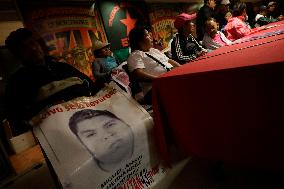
(148,97)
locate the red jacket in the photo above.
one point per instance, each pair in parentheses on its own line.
(236,28)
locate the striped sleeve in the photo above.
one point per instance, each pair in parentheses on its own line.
(179,53)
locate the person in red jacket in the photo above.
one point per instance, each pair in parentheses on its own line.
(236,27)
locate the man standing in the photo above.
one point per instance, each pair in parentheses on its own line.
(203,14)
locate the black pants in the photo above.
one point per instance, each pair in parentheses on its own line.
(148,98)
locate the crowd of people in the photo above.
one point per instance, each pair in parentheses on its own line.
(216,25)
(42,81)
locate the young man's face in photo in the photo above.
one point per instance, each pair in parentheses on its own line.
(110,140)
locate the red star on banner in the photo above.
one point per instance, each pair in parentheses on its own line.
(128,22)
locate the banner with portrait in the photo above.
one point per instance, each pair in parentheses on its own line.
(102,142)
(67,31)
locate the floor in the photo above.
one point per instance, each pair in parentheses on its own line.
(37,177)
(197,174)
(200,174)
(31,171)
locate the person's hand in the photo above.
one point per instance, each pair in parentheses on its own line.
(268,27)
(262,27)
(116,71)
(201,53)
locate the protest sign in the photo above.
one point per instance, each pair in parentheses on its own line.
(102,142)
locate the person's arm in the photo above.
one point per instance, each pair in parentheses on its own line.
(179,52)
(93,86)
(164,58)
(263,21)
(136,66)
(98,74)
(242,29)
(140,75)
(225,39)
(202,51)
(257,29)
(173,63)
(20,93)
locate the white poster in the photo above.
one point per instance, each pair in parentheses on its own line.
(101,142)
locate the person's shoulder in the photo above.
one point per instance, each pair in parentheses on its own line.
(259,15)
(202,8)
(136,54)
(54,64)
(206,8)
(176,35)
(98,61)
(222,35)
(232,21)
(19,74)
(154,50)
(206,37)
(49,60)
(179,37)
(20,79)
(237,20)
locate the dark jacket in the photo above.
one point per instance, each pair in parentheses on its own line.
(32,88)
(264,21)
(184,49)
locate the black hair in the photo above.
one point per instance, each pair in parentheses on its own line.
(136,35)
(220,12)
(205,2)
(262,8)
(97,52)
(16,37)
(86,114)
(208,21)
(181,29)
(238,9)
